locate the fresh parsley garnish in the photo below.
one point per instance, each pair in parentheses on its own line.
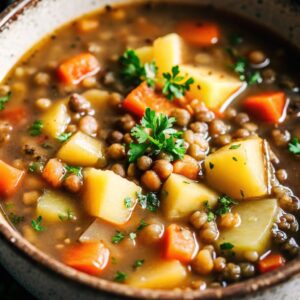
(133,72)
(4,100)
(162,138)
(64,137)
(294,146)
(173,86)
(120,276)
(15,219)
(37,224)
(142,225)
(211,165)
(226,246)
(138,263)
(73,170)
(234,146)
(149,201)
(224,205)
(210,214)
(118,237)
(128,202)
(36,128)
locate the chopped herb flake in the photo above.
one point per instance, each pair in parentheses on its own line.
(234,158)
(294,146)
(235,146)
(120,276)
(118,237)
(37,224)
(211,165)
(138,263)
(4,100)
(36,128)
(149,201)
(226,246)
(142,225)
(15,219)
(64,137)
(128,202)
(73,170)
(224,205)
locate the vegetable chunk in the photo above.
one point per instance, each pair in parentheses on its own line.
(145,54)
(105,194)
(254,232)
(238,169)
(55,206)
(91,258)
(213,86)
(183,196)
(82,150)
(159,275)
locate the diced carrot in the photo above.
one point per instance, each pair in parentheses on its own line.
(271,262)
(54,172)
(16,115)
(87,25)
(179,243)
(77,68)
(199,33)
(266,106)
(144,96)
(10,179)
(91,258)
(187,167)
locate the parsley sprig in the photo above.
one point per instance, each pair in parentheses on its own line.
(36,128)
(156,134)
(133,72)
(4,100)
(294,146)
(37,224)
(174,86)
(149,201)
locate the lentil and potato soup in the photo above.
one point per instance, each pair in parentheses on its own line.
(156,146)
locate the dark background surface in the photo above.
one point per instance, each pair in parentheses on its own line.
(9,289)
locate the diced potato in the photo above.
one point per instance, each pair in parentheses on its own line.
(105,193)
(182,196)
(167,52)
(98,98)
(165,274)
(83,150)
(145,54)
(55,206)
(56,119)
(213,86)
(254,232)
(239,169)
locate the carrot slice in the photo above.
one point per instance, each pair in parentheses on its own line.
(54,172)
(77,68)
(10,179)
(14,115)
(271,262)
(91,258)
(179,243)
(198,33)
(144,96)
(187,167)
(267,106)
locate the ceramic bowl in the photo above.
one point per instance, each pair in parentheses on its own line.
(25,23)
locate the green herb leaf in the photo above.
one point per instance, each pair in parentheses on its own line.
(138,263)
(15,219)
(128,202)
(36,128)
(4,100)
(73,170)
(224,205)
(210,214)
(226,246)
(294,146)
(163,137)
(118,237)
(211,165)
(235,146)
(67,216)
(64,137)
(254,78)
(120,276)
(142,225)
(37,224)
(234,158)
(173,86)
(149,201)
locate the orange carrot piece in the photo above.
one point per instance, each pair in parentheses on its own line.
(187,167)
(86,25)
(91,258)
(270,263)
(10,179)
(266,106)
(54,172)
(144,96)
(179,243)
(77,68)
(16,115)
(199,33)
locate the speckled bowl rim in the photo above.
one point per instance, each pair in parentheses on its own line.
(258,283)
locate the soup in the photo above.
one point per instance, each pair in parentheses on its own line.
(155,146)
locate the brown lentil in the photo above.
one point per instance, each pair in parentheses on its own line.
(151,181)
(144,163)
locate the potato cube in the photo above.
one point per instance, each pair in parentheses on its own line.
(213,86)
(83,150)
(98,98)
(55,206)
(165,274)
(56,119)
(105,193)
(145,54)
(167,52)
(182,196)
(254,232)
(239,169)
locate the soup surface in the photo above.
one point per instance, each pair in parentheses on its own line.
(156,146)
